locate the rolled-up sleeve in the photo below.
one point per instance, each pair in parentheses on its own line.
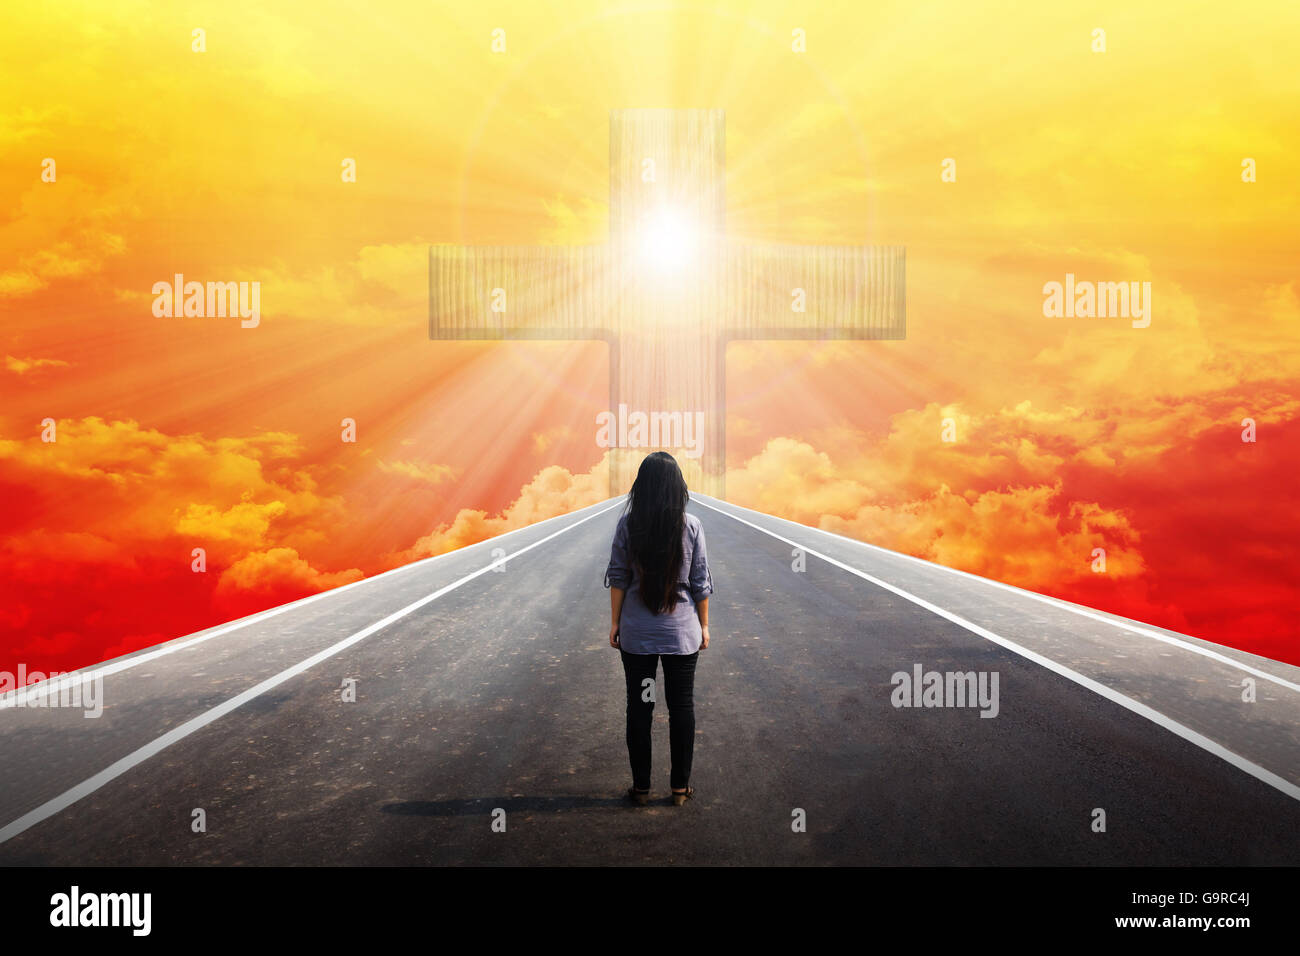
(701,577)
(619,572)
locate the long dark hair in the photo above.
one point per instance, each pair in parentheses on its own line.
(656,515)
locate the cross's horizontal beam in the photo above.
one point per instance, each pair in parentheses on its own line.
(519,292)
(741,290)
(776,291)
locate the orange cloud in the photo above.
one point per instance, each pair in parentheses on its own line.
(21,366)
(418,471)
(543,441)
(67,229)
(145,485)
(554,491)
(247,522)
(1030,535)
(97,549)
(276,575)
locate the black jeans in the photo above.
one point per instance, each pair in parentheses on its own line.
(679,688)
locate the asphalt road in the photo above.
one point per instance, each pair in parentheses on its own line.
(500,692)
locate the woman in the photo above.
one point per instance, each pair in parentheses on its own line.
(659,583)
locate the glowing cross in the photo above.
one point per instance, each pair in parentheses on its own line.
(669,290)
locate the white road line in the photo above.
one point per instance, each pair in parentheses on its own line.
(1043,599)
(22,695)
(136,757)
(1150,713)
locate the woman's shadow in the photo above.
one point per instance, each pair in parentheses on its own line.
(468,806)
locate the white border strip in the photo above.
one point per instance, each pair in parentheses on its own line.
(64,800)
(1143,710)
(1035,596)
(19,696)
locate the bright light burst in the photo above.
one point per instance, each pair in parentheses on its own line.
(668,241)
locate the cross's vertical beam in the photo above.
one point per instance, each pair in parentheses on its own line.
(687,150)
(668,165)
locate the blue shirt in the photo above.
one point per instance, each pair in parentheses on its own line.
(676,632)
